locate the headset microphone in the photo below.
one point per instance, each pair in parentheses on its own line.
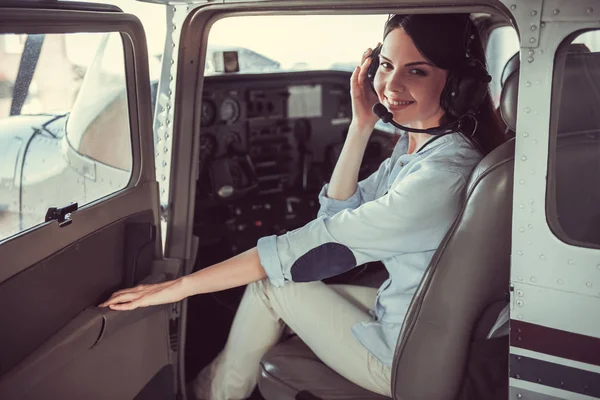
(382,112)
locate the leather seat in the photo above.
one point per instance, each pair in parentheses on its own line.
(506,109)
(457,303)
(292,371)
(513,64)
(445,349)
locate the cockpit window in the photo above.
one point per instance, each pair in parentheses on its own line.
(64,124)
(574,169)
(293,43)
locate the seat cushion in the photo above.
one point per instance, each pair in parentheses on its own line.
(292,371)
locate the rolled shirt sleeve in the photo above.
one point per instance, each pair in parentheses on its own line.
(412,217)
(366,191)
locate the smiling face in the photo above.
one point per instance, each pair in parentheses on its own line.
(408,84)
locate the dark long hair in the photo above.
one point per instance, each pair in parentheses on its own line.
(442,39)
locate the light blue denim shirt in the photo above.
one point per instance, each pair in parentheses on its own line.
(398,216)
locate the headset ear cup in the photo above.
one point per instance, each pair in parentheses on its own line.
(465,92)
(450,95)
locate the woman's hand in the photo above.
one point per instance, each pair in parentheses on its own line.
(362,96)
(146,295)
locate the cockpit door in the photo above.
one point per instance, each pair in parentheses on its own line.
(83,220)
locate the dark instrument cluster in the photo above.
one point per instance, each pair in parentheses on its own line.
(268,143)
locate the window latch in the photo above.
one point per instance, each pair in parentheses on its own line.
(62,215)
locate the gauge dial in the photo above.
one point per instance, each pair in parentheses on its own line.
(208,145)
(229,111)
(233,142)
(209,113)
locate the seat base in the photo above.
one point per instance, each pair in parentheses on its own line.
(291,371)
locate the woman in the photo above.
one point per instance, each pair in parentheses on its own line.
(398,215)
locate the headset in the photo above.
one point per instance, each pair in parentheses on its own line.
(465,90)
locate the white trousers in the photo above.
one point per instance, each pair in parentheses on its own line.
(321,315)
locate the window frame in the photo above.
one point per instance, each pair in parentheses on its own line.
(552,214)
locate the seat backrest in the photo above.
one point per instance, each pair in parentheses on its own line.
(509,81)
(513,64)
(468,274)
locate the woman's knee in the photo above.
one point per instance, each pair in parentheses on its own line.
(255,297)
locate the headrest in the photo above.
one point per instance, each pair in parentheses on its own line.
(511,65)
(580,70)
(508,100)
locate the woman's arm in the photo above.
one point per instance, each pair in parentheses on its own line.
(412,217)
(236,271)
(246,267)
(344,179)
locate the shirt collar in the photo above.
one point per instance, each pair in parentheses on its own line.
(401,147)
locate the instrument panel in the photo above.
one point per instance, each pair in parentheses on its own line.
(281,125)
(268,143)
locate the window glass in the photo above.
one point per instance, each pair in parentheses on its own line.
(574,190)
(64,124)
(502,44)
(293,48)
